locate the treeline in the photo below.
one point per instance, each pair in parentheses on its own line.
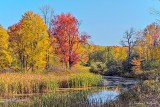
(37,44)
(140,51)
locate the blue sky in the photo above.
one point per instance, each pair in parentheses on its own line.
(104,20)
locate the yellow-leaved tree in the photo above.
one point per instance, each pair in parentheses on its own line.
(5,56)
(30,41)
(36,38)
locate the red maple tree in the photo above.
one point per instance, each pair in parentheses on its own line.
(67,38)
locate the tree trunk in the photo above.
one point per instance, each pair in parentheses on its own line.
(47,59)
(70,65)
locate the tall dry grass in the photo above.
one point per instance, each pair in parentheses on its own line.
(29,83)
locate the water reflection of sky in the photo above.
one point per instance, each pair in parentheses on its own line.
(103,96)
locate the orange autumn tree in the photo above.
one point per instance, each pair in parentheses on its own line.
(136,65)
(67,38)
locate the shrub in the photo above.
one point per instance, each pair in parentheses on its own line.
(111,63)
(126,66)
(150,65)
(98,68)
(116,70)
(150,75)
(94,68)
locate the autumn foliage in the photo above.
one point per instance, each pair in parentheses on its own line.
(32,45)
(29,42)
(136,65)
(67,38)
(5,55)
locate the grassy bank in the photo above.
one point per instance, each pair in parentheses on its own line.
(29,83)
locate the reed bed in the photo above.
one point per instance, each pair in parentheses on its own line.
(18,83)
(29,83)
(84,80)
(66,99)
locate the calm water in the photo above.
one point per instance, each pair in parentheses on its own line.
(115,84)
(103,96)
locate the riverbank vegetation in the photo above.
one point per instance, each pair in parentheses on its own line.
(31,83)
(145,94)
(136,58)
